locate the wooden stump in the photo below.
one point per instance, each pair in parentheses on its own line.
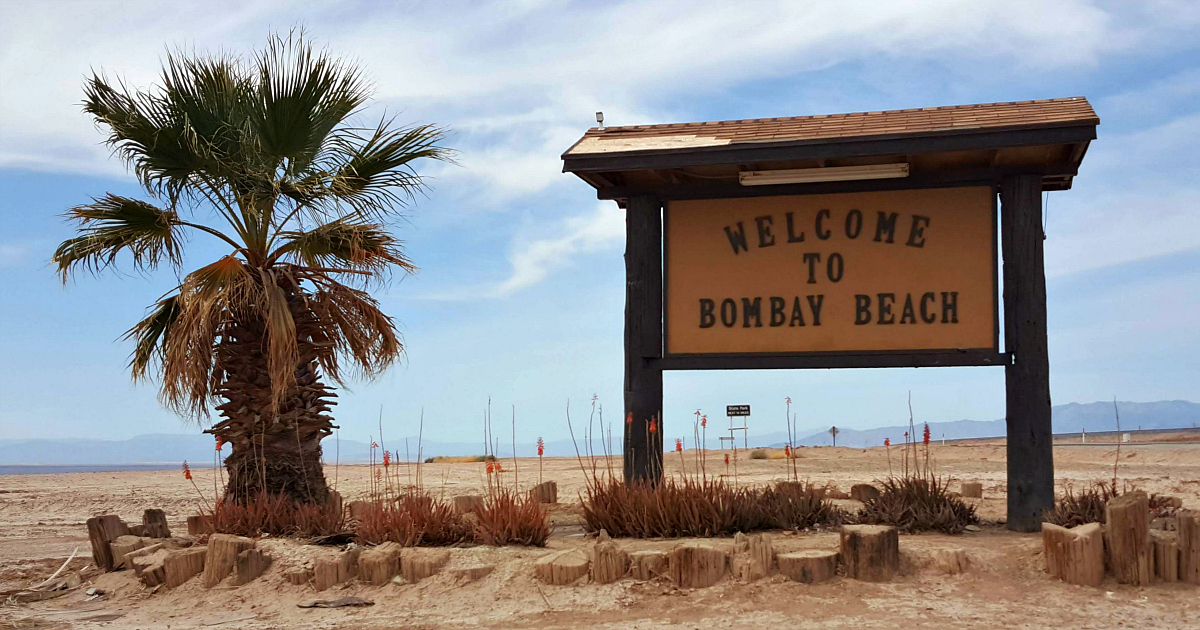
(102,530)
(223,550)
(335,500)
(810,566)
(1187,531)
(150,568)
(609,562)
(972,490)
(199,525)
(756,560)
(1128,536)
(250,564)
(184,564)
(951,561)
(870,553)
(562,568)
(545,492)
(144,551)
(377,566)
(359,509)
(417,564)
(1075,555)
(122,546)
(468,503)
(299,577)
(471,573)
(647,565)
(1165,551)
(864,492)
(137,530)
(155,523)
(327,573)
(695,565)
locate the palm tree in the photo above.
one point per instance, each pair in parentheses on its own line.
(260,154)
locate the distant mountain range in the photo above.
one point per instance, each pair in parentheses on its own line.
(198,448)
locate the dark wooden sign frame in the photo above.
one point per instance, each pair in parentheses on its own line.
(1018,149)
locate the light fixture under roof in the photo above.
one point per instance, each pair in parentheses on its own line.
(823,174)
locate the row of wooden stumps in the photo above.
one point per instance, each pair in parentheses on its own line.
(1125,546)
(867,552)
(157,558)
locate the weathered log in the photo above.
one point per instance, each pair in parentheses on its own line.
(417,564)
(472,572)
(1187,531)
(378,565)
(864,492)
(150,568)
(609,562)
(1165,551)
(223,550)
(154,522)
(468,503)
(102,530)
(809,566)
(562,568)
(122,546)
(1127,535)
(199,525)
(870,553)
(951,561)
(972,490)
(756,560)
(327,573)
(696,565)
(250,564)
(184,564)
(1075,555)
(298,576)
(647,565)
(545,492)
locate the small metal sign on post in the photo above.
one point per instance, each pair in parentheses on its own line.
(737,411)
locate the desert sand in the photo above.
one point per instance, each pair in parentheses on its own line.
(42,521)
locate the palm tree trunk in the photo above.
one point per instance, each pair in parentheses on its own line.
(273,450)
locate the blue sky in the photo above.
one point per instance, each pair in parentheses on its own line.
(520,292)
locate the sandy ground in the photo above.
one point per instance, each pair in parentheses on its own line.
(42,520)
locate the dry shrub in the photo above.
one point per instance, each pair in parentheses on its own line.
(508,518)
(417,519)
(695,507)
(918,502)
(1074,509)
(413,519)
(1086,507)
(758,453)
(277,515)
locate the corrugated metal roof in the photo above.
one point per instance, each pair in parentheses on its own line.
(835,127)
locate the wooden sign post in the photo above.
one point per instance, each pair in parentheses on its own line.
(853,240)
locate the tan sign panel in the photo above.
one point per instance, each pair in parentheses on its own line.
(909,270)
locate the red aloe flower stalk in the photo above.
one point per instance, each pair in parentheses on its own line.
(541,447)
(787,451)
(490,467)
(387,458)
(187,471)
(678,445)
(926,436)
(653,426)
(220,443)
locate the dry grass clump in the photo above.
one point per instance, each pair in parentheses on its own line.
(277,515)
(1087,506)
(758,453)
(1074,509)
(918,502)
(702,507)
(413,519)
(508,518)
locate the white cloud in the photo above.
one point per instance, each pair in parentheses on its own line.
(534,260)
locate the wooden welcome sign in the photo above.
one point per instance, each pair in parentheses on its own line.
(856,240)
(906,270)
